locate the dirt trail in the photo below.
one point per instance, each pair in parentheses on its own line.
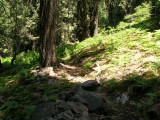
(72,73)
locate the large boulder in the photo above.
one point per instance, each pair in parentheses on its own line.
(93,100)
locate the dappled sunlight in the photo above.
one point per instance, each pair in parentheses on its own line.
(68,74)
(137,63)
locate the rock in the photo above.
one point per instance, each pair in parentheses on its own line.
(44,111)
(105,109)
(93,100)
(122,99)
(78,98)
(66,95)
(66,115)
(78,108)
(154,112)
(90,85)
(61,110)
(66,110)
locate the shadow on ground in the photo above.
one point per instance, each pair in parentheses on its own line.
(19,98)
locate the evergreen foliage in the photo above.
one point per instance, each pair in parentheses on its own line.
(128,40)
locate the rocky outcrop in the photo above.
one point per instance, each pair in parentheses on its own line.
(83,103)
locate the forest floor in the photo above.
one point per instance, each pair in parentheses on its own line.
(98,71)
(124,60)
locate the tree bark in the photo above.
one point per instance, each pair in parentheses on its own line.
(115,12)
(0,63)
(93,17)
(48,23)
(16,40)
(82,31)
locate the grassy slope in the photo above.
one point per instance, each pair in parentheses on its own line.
(128,48)
(130,53)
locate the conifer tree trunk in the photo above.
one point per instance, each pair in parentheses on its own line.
(47,37)
(82,31)
(93,17)
(16,40)
(1,63)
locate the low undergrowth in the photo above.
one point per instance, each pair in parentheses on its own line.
(131,47)
(143,91)
(20,91)
(20,96)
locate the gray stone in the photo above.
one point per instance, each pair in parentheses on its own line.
(122,99)
(93,100)
(78,108)
(44,111)
(66,115)
(69,110)
(63,106)
(78,98)
(90,85)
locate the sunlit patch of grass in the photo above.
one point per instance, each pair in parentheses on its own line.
(128,44)
(23,63)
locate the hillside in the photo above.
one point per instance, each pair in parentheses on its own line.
(131,47)
(124,60)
